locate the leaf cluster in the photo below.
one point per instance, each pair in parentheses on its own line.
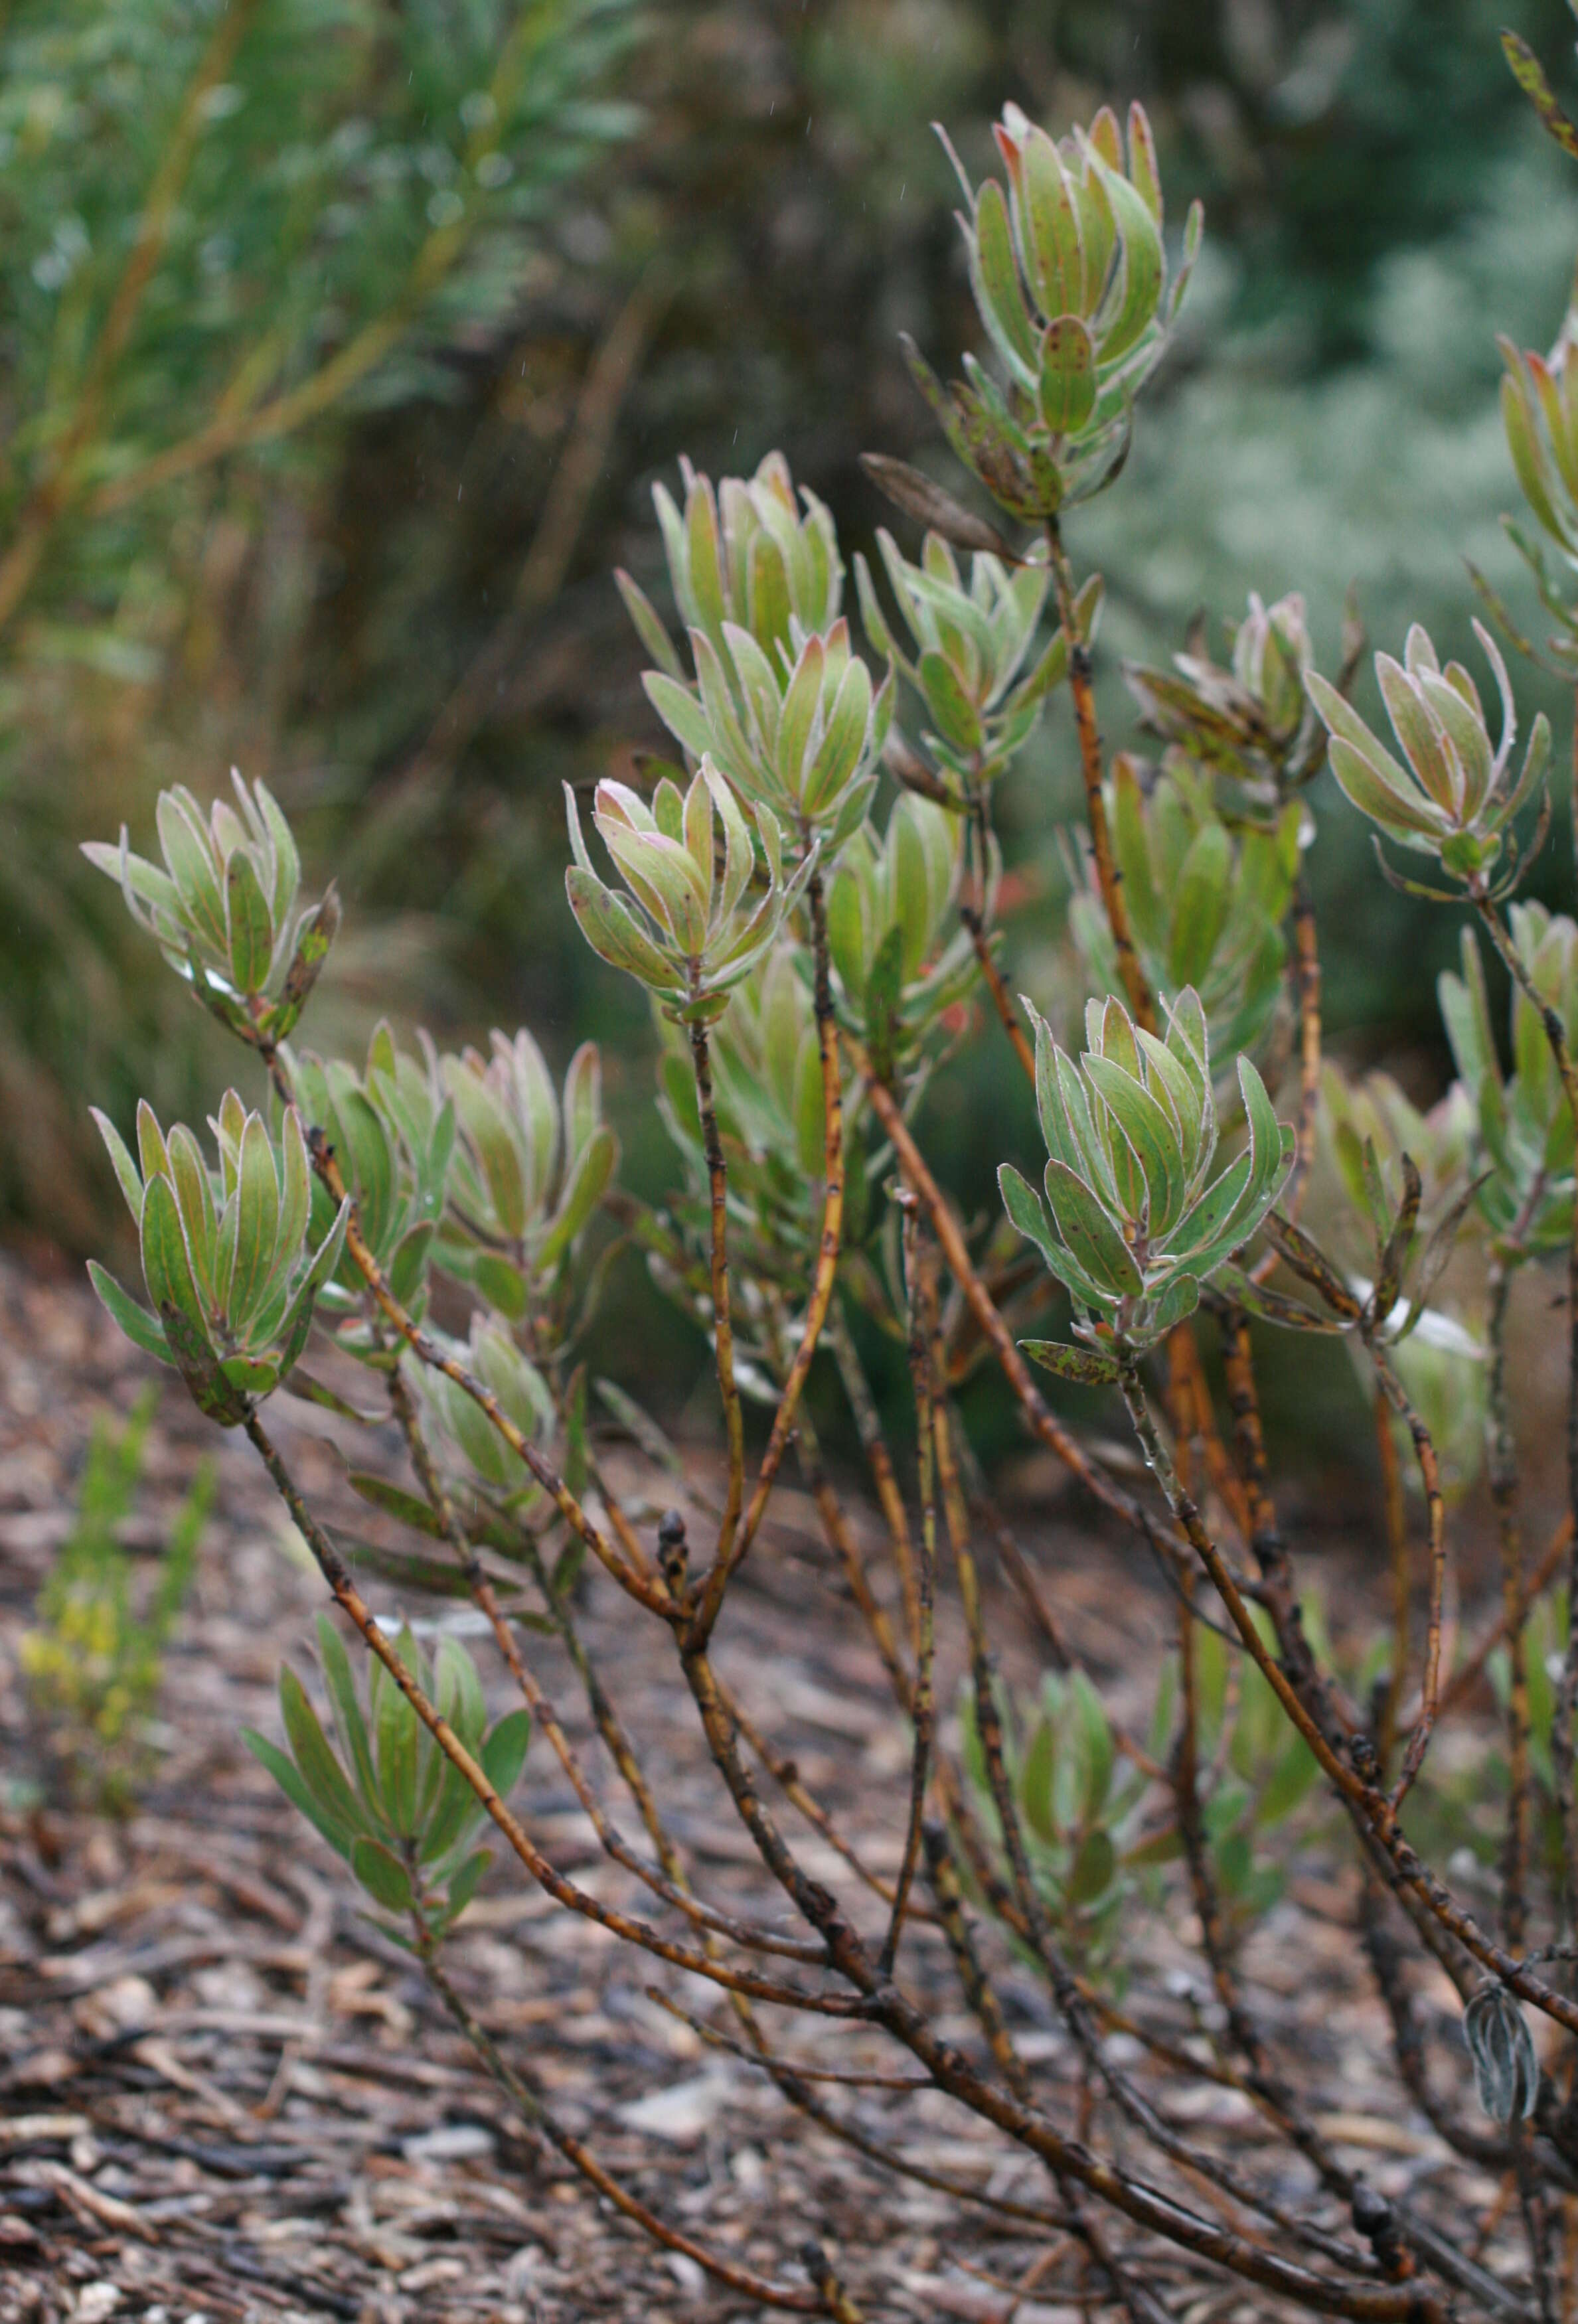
(380,1790)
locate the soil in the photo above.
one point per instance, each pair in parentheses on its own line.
(224,2096)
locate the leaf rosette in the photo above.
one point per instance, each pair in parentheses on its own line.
(1455,798)
(1070,277)
(1252,721)
(224,908)
(228,1260)
(1134,1224)
(969,645)
(530,1168)
(379,1789)
(686,928)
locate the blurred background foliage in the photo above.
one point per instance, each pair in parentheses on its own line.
(341,343)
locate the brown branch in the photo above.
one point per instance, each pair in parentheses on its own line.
(1394,1510)
(974,1982)
(540,2117)
(1373,1814)
(1470,1671)
(547,1719)
(1418,1741)
(1109,878)
(548,1877)
(1501,1463)
(652,1594)
(880,1461)
(1042,1420)
(1306,977)
(920,1278)
(992,975)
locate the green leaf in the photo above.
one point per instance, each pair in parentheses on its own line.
(1094,1868)
(314,1754)
(1200,904)
(1151,1135)
(250,1376)
(649,627)
(462,1883)
(190,861)
(1096,1734)
(994,277)
(453,1820)
(704,553)
(258,1220)
(408,1267)
(611,928)
(884,993)
(127,1176)
(1179,1299)
(504,1287)
(1090,1234)
(460,1696)
(1404,815)
(371,1157)
(384,1494)
(351,1726)
(315,933)
(1085,1366)
(800,704)
(395,1725)
(250,928)
(1266,1142)
(1068,386)
(284,1770)
(381,1874)
(584,1188)
(503,1754)
(1023,1205)
(1036,1781)
(166,1267)
(296,1197)
(1213,1215)
(1132,300)
(1292,1777)
(1529,74)
(141,1329)
(1164,1847)
(297,1321)
(842,742)
(953,713)
(680,711)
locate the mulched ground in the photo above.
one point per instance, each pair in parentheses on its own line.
(222,2096)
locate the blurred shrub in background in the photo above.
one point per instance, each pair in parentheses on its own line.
(228,230)
(94,1664)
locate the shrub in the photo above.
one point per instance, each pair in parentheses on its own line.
(224,231)
(94,1664)
(814,970)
